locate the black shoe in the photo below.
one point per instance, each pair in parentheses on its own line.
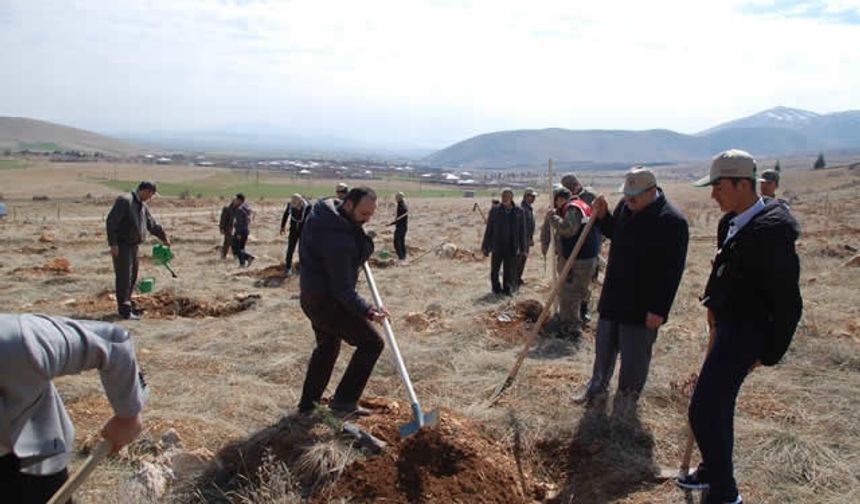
(693,481)
(249,261)
(129,316)
(584,313)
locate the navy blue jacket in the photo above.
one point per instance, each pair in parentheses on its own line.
(646,261)
(333,249)
(755,278)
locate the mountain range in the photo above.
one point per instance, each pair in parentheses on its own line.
(775,132)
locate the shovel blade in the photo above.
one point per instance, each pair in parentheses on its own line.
(427,420)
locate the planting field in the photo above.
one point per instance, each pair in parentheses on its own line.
(225,351)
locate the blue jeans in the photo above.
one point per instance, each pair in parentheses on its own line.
(737,346)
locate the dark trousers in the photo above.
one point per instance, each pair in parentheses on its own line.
(400,242)
(712,407)
(292,241)
(125,266)
(634,343)
(332,323)
(21,488)
(240,239)
(508,264)
(521,267)
(225,245)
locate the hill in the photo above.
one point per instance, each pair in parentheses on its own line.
(774,132)
(21,133)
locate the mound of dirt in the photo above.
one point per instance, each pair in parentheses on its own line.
(55,266)
(377,262)
(455,461)
(166,304)
(452,251)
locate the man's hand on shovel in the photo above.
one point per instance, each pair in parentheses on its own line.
(120,431)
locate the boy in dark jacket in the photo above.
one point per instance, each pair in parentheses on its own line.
(225,226)
(333,248)
(241,230)
(754,305)
(646,260)
(505,238)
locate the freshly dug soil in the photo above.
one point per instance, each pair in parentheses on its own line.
(166,304)
(455,461)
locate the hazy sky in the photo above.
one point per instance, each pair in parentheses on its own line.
(422,73)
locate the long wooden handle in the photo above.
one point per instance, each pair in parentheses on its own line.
(547,309)
(102,449)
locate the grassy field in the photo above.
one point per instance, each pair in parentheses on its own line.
(229,375)
(228,185)
(12,164)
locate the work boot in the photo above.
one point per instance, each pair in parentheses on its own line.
(130,315)
(345,410)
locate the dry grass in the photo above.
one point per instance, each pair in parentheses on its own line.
(217,379)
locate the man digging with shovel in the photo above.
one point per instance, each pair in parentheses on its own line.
(36,434)
(333,248)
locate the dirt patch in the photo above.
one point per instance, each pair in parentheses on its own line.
(55,266)
(166,304)
(511,322)
(270,276)
(455,461)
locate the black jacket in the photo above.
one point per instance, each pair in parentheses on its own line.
(646,261)
(529,217)
(225,223)
(129,220)
(296,215)
(506,231)
(403,223)
(755,278)
(333,249)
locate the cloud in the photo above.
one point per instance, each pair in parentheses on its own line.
(840,12)
(416,72)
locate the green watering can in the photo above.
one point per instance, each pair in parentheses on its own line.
(146,284)
(161,255)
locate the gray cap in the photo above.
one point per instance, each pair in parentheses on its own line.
(399,195)
(530,192)
(561,191)
(341,187)
(733,163)
(637,180)
(507,189)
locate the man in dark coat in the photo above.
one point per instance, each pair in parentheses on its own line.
(647,254)
(505,239)
(225,226)
(296,212)
(241,231)
(754,305)
(126,225)
(528,214)
(401,224)
(334,247)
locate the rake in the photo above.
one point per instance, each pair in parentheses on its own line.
(421,419)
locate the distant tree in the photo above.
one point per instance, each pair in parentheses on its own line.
(776,167)
(819,163)
(7,152)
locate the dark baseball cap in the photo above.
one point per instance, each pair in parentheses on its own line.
(147,184)
(769,176)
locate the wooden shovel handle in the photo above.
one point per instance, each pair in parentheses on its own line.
(102,449)
(547,309)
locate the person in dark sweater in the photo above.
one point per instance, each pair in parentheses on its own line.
(225,226)
(296,212)
(648,250)
(505,238)
(241,231)
(126,225)
(529,197)
(401,225)
(333,248)
(754,305)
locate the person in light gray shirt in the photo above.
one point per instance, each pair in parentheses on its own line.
(36,433)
